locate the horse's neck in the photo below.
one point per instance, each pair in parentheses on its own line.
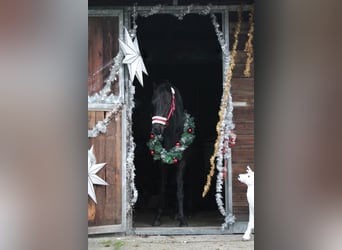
(173,132)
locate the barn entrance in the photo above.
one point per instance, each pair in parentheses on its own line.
(187,53)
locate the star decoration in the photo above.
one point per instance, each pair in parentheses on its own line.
(93,168)
(133,58)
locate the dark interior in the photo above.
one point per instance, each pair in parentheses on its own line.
(187,53)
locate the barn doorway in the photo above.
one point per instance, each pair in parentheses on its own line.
(186,52)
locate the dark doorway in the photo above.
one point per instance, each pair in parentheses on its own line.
(187,53)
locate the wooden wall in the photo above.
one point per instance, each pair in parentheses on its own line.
(103,34)
(107,148)
(102,47)
(242,90)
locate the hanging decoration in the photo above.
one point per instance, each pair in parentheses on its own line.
(93,168)
(175,154)
(249,45)
(224,127)
(130,167)
(101,126)
(103,96)
(133,58)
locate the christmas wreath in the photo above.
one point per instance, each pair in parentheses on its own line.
(175,154)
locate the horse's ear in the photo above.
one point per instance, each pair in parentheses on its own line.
(249,169)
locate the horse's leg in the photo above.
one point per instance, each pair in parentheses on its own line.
(161,196)
(180,193)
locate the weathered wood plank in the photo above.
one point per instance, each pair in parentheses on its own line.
(243,155)
(91,210)
(108,209)
(244,128)
(243,114)
(95,52)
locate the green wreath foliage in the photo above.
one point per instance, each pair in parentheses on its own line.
(175,154)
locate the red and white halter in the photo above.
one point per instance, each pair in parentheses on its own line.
(164,120)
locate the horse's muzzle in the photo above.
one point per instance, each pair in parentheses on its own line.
(157,128)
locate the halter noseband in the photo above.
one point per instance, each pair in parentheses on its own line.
(164,120)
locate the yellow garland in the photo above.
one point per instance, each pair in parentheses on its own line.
(249,45)
(224,103)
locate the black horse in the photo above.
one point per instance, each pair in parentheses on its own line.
(169,123)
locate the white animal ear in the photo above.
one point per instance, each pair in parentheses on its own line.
(249,169)
(92,149)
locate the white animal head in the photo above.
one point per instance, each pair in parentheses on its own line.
(247,178)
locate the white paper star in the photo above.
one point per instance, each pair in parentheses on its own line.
(93,168)
(133,58)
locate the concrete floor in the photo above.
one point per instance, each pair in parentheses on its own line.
(186,242)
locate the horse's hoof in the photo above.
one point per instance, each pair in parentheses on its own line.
(183,223)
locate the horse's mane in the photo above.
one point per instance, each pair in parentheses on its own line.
(162,97)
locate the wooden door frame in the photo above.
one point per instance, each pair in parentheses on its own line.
(237,227)
(122,227)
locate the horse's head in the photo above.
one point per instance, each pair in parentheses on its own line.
(165,101)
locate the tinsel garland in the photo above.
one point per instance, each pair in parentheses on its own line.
(175,154)
(223,129)
(102,96)
(249,45)
(101,126)
(130,168)
(226,130)
(225,110)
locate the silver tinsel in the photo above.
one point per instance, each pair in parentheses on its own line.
(227,124)
(229,220)
(154,10)
(133,193)
(184,12)
(101,126)
(102,96)
(130,167)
